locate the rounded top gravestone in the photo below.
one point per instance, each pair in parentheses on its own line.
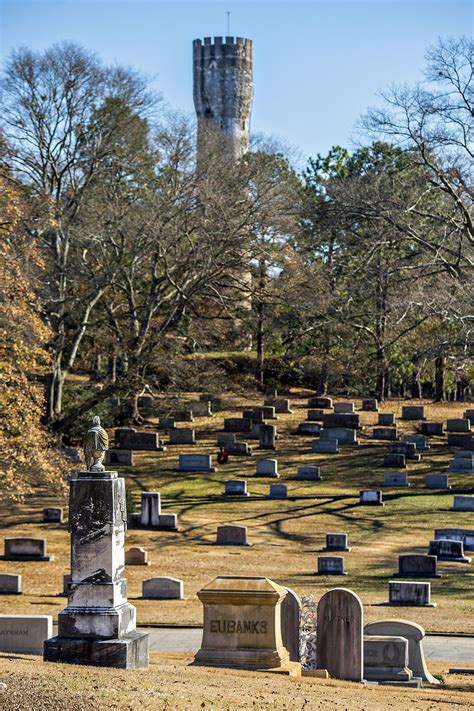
(340,634)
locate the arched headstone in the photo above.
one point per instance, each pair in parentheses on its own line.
(290,624)
(340,634)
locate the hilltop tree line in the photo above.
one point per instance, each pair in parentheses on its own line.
(122,258)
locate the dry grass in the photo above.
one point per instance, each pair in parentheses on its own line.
(170,683)
(286,535)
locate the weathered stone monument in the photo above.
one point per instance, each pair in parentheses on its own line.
(386,659)
(27,549)
(232,535)
(339,640)
(53,516)
(331,565)
(412,632)
(409,593)
(242,624)
(136,556)
(151,516)
(163,588)
(98,625)
(24,634)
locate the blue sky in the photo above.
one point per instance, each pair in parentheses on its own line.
(317,64)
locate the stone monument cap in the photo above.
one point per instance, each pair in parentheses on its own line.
(242,591)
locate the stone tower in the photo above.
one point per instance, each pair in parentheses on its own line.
(223,89)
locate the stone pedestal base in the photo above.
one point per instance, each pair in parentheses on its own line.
(257,659)
(130,652)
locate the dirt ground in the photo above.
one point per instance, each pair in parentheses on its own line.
(171,683)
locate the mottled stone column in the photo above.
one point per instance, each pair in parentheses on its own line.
(98,625)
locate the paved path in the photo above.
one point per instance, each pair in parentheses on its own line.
(437,648)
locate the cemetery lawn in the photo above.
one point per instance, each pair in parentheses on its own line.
(286,536)
(171,683)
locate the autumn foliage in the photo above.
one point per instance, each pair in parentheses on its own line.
(28,456)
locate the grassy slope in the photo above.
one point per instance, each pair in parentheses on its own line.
(286,535)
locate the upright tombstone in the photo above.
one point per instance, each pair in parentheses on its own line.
(395,479)
(331,565)
(291,624)
(119,456)
(419,440)
(182,435)
(370,405)
(418,565)
(386,419)
(386,432)
(323,403)
(445,549)
(278,491)
(327,446)
(432,429)
(340,635)
(465,535)
(239,449)
(151,516)
(98,625)
(10,584)
(53,516)
(409,449)
(163,588)
(437,481)
(337,542)
(458,425)
(414,633)
(24,634)
(242,624)
(308,429)
(267,436)
(309,473)
(394,460)
(413,412)
(463,503)
(136,556)
(267,467)
(150,508)
(315,415)
(235,487)
(195,463)
(463,463)
(342,408)
(371,497)
(409,593)
(344,435)
(386,659)
(281,405)
(231,535)
(27,549)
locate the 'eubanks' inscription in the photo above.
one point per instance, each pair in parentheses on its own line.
(238,626)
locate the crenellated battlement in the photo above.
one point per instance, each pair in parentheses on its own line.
(243,41)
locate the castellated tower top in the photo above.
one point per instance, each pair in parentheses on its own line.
(223,88)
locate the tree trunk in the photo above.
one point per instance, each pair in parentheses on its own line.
(324,380)
(380,370)
(260,374)
(415,378)
(440,387)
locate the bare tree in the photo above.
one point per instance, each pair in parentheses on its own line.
(59,132)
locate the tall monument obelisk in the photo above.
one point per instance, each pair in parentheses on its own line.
(98,625)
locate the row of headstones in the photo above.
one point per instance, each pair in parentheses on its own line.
(449,544)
